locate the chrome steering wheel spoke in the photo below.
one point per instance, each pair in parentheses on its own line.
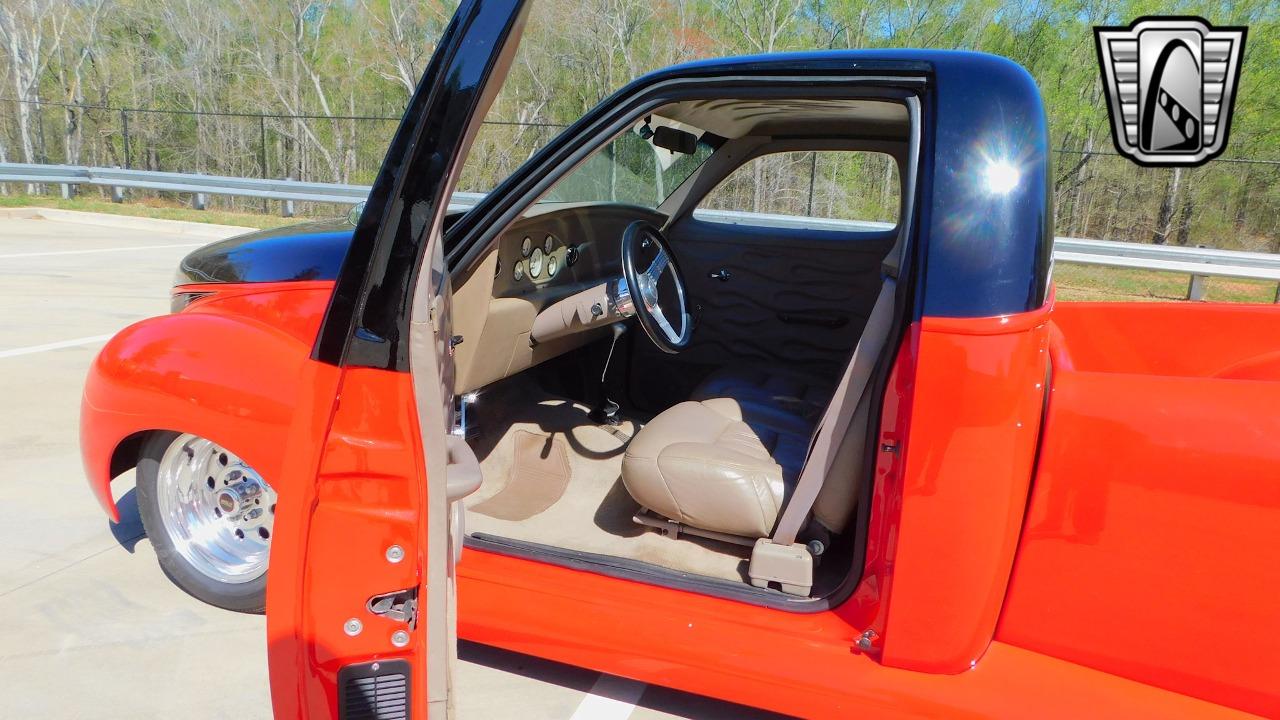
(663,323)
(642,286)
(658,266)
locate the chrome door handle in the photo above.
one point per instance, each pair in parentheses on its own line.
(721,275)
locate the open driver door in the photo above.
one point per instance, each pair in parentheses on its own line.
(367,531)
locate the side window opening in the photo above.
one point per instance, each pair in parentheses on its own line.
(827,185)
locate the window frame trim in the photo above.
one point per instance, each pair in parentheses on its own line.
(685,202)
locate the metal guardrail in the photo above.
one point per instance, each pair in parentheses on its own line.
(183,182)
(1199,263)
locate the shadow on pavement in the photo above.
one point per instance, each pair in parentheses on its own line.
(129,530)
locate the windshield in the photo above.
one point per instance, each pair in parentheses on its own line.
(633,169)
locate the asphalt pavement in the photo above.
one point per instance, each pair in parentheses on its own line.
(89,625)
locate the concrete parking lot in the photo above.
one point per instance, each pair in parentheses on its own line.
(89,626)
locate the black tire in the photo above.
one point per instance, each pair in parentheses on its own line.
(249,597)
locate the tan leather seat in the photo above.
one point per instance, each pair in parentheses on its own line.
(726,461)
(716,465)
(796,392)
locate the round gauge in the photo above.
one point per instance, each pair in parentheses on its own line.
(526,245)
(552,266)
(548,245)
(518,273)
(535,263)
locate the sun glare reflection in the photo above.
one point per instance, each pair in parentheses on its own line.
(1001,177)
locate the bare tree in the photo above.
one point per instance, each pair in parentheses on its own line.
(289,59)
(1168,206)
(404,35)
(31,33)
(761,24)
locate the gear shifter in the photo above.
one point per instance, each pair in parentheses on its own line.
(605,411)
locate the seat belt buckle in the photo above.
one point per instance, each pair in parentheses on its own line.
(790,566)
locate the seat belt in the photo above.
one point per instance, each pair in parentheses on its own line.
(835,421)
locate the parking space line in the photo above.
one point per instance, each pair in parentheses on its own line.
(54,345)
(610,698)
(99,250)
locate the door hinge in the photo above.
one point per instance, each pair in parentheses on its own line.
(401,606)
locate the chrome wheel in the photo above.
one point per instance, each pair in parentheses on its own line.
(216,510)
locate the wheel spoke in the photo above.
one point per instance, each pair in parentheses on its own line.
(662,322)
(658,266)
(226,546)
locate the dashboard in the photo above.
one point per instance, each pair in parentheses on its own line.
(546,255)
(562,248)
(546,286)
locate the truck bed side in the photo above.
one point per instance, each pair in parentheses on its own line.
(1151,546)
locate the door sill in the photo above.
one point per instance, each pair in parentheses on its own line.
(648,573)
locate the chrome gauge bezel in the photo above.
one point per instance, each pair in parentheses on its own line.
(535,262)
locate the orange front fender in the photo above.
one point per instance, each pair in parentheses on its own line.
(226,377)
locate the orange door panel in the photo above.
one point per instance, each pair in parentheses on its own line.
(367,497)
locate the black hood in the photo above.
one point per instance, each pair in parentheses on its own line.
(308,251)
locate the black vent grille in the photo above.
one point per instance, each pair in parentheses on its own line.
(374,691)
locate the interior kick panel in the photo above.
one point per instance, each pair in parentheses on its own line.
(779,297)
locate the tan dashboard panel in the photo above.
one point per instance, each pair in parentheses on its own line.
(495,332)
(491,329)
(495,309)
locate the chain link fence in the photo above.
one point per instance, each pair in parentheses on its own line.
(315,148)
(1231,203)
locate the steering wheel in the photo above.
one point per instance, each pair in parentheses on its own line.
(653,300)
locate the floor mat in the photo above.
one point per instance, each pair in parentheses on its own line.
(539,475)
(593,511)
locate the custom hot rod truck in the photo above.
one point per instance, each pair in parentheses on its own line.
(835,469)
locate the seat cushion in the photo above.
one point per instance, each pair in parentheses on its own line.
(717,465)
(795,392)
(794,400)
(728,459)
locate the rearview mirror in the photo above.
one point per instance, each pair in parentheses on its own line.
(353,215)
(669,138)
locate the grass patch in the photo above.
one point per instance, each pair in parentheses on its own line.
(160,208)
(1099,282)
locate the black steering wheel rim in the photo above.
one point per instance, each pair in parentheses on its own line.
(642,287)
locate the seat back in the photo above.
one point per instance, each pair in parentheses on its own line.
(838,421)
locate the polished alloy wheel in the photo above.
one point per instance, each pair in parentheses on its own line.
(216,510)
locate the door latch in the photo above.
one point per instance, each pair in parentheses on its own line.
(868,640)
(401,605)
(721,275)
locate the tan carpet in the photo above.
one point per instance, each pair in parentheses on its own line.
(523,434)
(539,475)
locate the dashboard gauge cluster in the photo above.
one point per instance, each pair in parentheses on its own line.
(541,259)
